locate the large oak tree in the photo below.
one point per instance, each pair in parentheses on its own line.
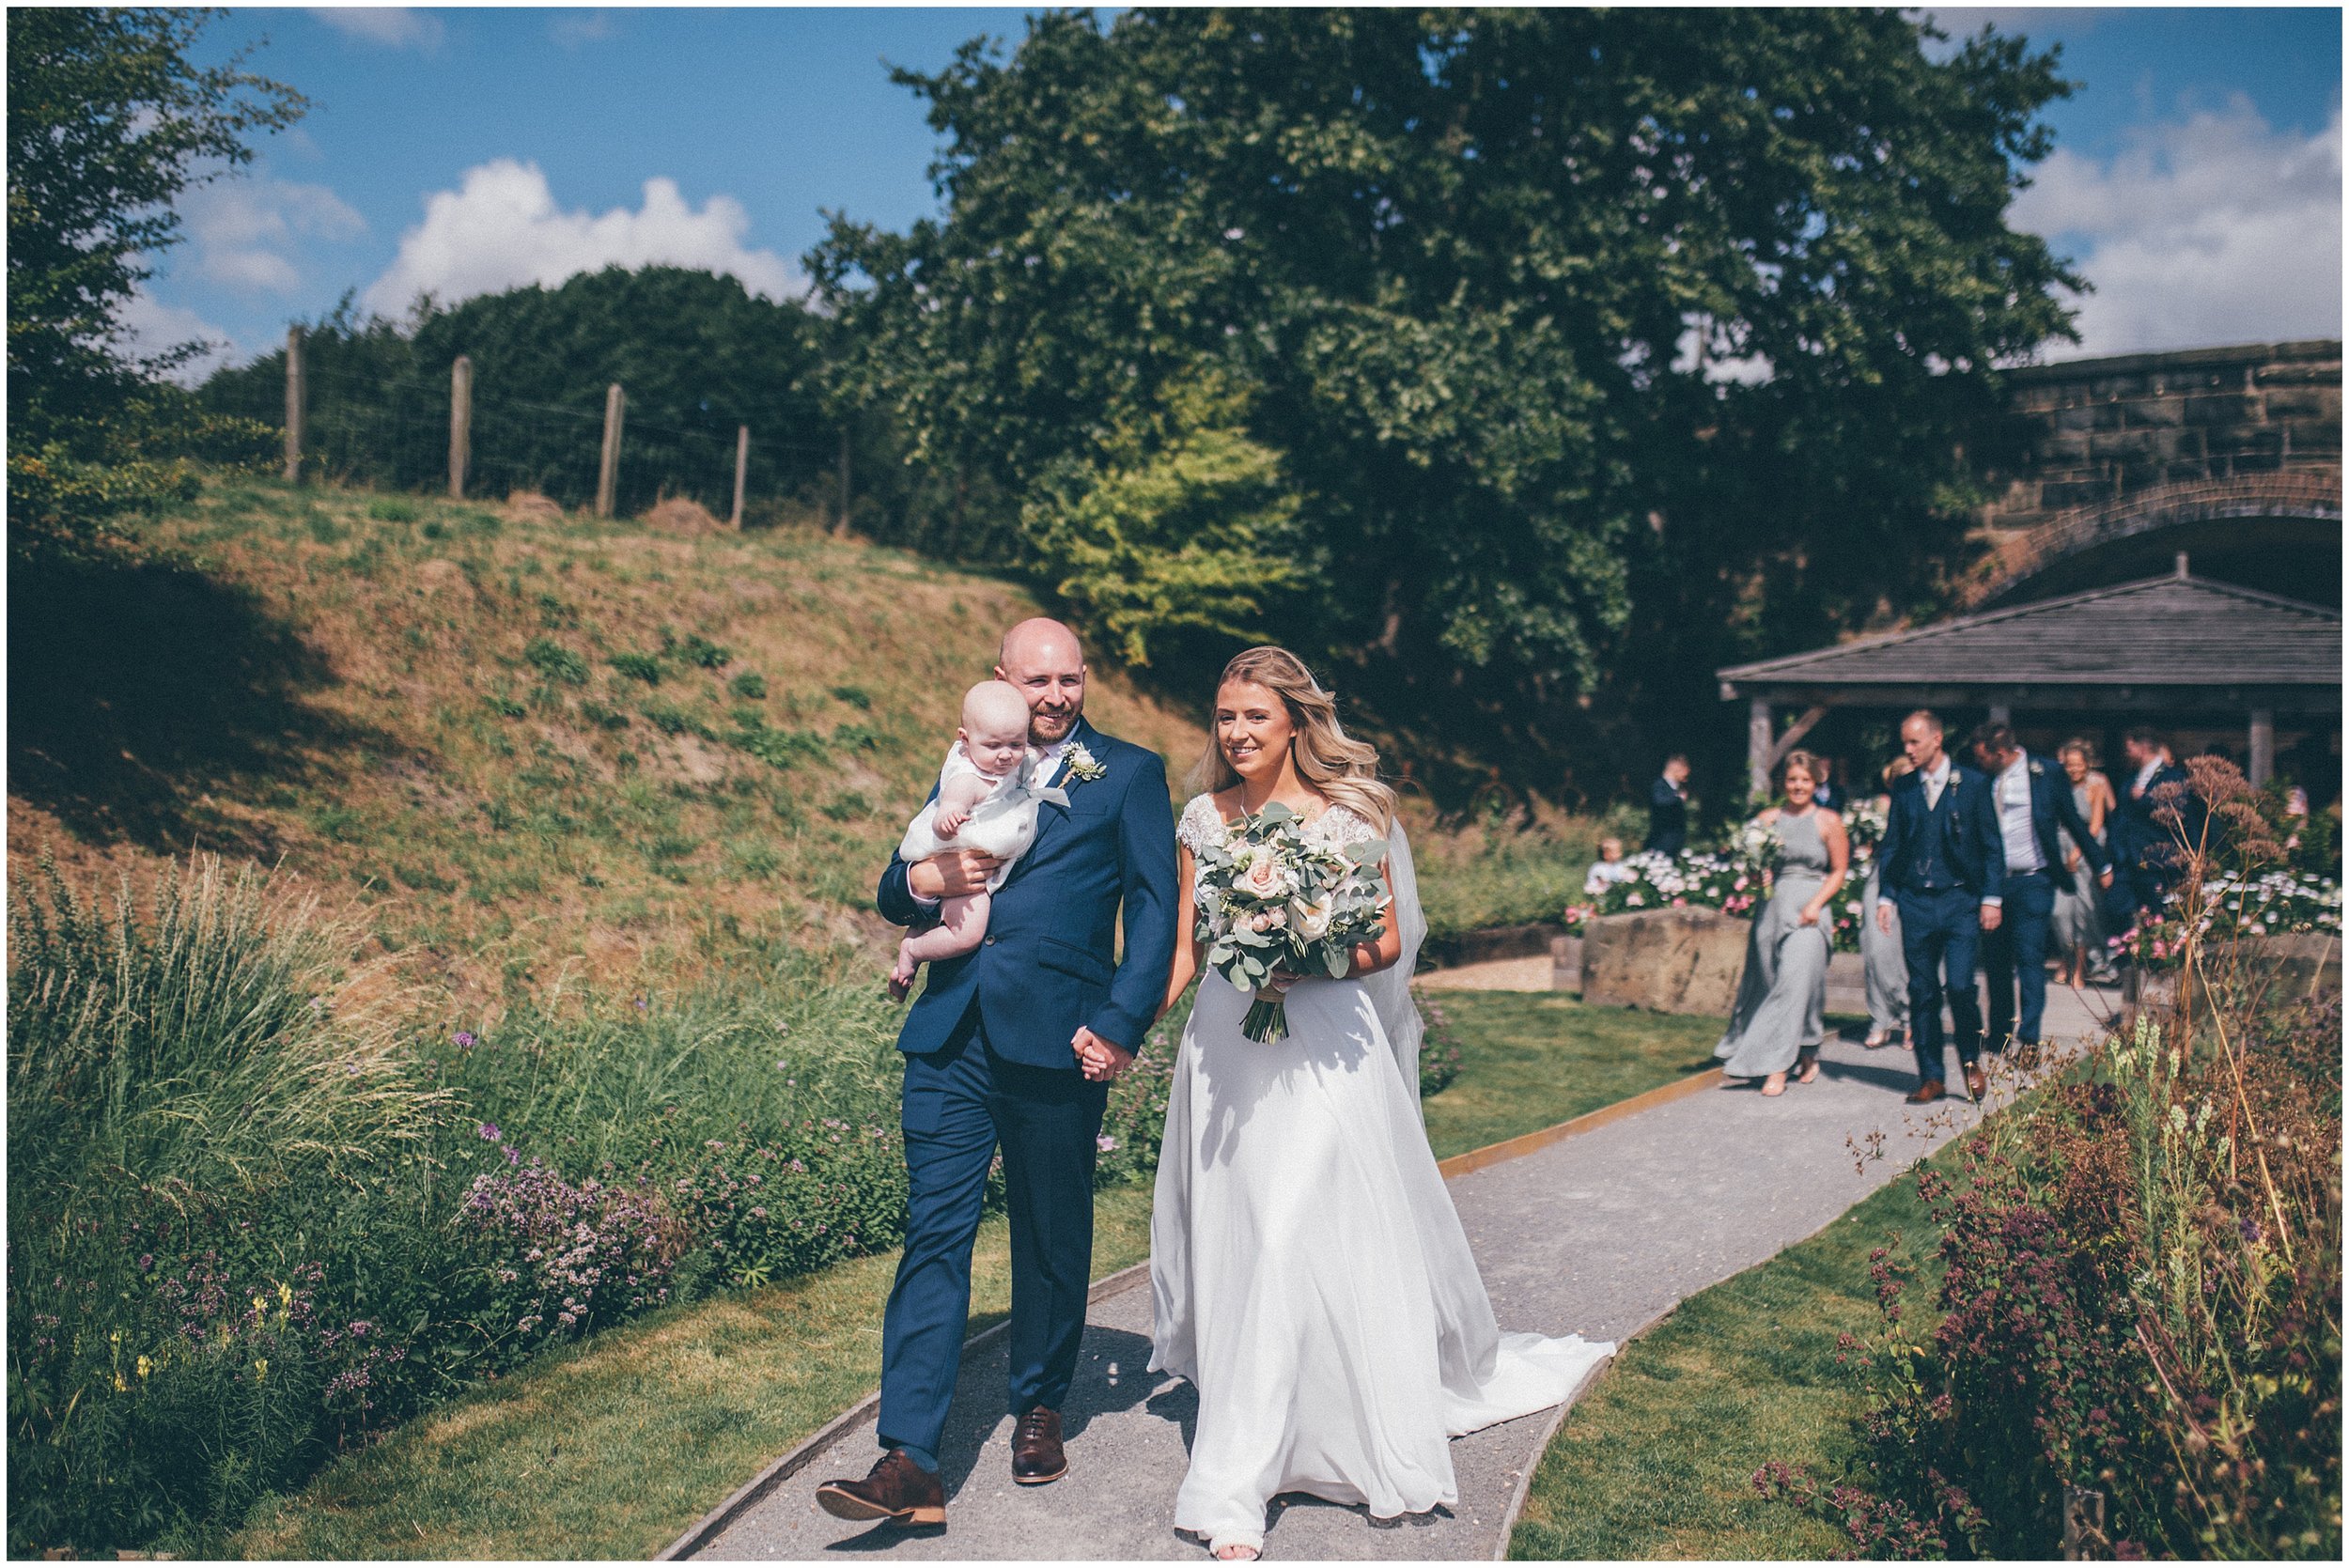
(1531,362)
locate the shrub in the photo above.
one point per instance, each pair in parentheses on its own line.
(638,666)
(555,661)
(701,651)
(1438,1051)
(746,684)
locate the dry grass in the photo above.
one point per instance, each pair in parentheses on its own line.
(379,724)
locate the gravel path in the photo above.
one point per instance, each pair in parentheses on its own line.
(1598,1235)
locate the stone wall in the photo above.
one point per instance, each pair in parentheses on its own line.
(2095,431)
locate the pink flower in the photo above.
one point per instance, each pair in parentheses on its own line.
(1265,879)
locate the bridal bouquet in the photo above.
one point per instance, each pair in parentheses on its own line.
(1270,898)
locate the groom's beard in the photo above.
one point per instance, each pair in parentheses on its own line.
(1050,729)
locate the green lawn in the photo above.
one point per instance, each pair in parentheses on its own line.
(1532,1059)
(1656,1461)
(613,1447)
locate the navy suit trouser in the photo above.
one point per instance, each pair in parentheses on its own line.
(962,1104)
(1941,928)
(2015,957)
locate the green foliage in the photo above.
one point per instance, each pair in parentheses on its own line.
(699,650)
(109,120)
(555,661)
(696,354)
(748,684)
(1556,353)
(638,666)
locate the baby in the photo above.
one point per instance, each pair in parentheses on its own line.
(986,801)
(1609,870)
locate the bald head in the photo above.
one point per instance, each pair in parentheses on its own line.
(1042,658)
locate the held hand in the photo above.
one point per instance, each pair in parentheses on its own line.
(1990,913)
(1884,916)
(1100,1060)
(957,874)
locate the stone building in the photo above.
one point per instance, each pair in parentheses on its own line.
(2084,616)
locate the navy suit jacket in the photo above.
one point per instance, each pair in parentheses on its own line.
(2051,807)
(2137,839)
(1968,821)
(1050,961)
(1667,817)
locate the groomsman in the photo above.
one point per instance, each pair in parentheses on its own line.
(2031,804)
(1944,869)
(2146,851)
(1667,808)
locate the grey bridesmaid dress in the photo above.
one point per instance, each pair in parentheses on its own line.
(1781,999)
(2078,918)
(1882,959)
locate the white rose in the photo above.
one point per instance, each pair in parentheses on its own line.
(1265,879)
(1311,917)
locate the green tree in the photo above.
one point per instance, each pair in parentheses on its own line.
(1593,346)
(697,354)
(109,120)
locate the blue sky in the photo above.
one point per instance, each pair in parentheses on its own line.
(2198,177)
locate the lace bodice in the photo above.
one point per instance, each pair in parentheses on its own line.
(1202,825)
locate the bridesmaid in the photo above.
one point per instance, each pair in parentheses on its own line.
(1782,1000)
(2077,929)
(1880,954)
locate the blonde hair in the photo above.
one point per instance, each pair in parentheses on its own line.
(1807,761)
(1340,768)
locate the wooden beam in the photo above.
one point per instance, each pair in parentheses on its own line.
(1795,732)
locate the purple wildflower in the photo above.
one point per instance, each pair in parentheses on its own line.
(464,1039)
(490,1133)
(1105,1142)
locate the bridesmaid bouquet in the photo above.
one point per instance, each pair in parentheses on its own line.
(1270,898)
(1758,846)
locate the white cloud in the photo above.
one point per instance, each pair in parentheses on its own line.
(2216,228)
(393,26)
(150,327)
(580,28)
(502,229)
(239,228)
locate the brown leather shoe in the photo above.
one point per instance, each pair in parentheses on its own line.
(1977,1084)
(1036,1456)
(1926,1093)
(896,1490)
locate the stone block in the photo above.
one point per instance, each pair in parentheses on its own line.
(2081,492)
(2300,374)
(2232,407)
(2315,436)
(1685,960)
(2154,411)
(2266,441)
(2305,402)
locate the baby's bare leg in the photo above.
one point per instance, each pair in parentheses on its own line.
(961,922)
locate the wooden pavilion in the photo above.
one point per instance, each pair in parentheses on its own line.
(2176,651)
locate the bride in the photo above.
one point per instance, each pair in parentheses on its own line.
(1310,1277)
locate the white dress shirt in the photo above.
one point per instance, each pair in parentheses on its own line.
(2014,823)
(2145,776)
(1935,778)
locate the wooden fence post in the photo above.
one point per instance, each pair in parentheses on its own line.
(296,398)
(842,527)
(742,469)
(459,425)
(608,474)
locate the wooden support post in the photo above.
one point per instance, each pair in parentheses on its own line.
(2262,745)
(459,425)
(2084,1525)
(2001,713)
(742,469)
(608,472)
(1758,746)
(842,527)
(296,401)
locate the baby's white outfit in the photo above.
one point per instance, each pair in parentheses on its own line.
(1002,824)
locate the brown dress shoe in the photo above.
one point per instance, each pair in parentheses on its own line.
(1926,1093)
(1036,1457)
(1976,1083)
(896,1490)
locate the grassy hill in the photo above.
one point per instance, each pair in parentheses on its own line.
(531,749)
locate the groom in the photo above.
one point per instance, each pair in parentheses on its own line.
(1013,1045)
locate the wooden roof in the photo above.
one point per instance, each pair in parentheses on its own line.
(2164,633)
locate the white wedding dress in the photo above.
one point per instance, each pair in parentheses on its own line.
(1310,1276)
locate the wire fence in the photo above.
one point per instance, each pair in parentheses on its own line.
(363,428)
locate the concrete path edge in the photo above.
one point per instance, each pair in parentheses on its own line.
(714,1523)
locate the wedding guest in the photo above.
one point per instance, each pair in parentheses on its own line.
(2078,929)
(1609,869)
(2144,842)
(1944,868)
(1781,999)
(1830,795)
(2034,811)
(1667,808)
(1881,957)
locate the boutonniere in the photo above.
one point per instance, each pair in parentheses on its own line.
(1082,767)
